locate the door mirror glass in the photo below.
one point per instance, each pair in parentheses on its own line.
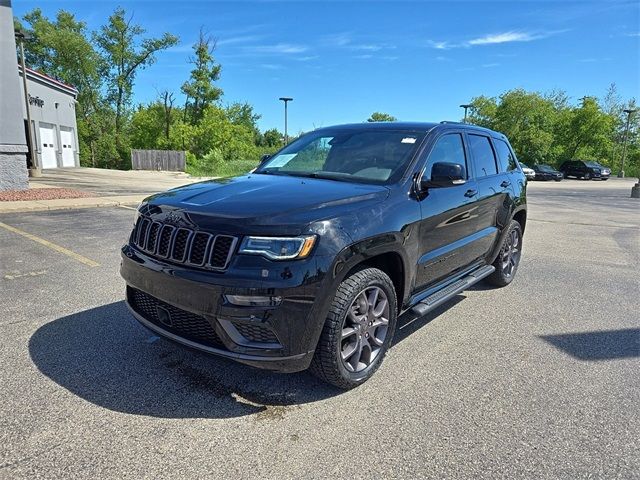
(264,158)
(445,174)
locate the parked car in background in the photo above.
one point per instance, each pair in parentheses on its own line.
(528,172)
(547,172)
(585,169)
(309,260)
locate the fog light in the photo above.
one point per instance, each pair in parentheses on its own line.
(253,300)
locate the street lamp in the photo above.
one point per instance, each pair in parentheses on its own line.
(21,36)
(285,100)
(629,112)
(466,106)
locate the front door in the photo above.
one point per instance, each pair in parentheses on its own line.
(448,217)
(48,147)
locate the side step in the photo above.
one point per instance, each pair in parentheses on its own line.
(438,298)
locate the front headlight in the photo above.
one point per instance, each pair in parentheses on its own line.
(279,248)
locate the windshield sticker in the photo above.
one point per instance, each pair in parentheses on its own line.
(281,160)
(408,140)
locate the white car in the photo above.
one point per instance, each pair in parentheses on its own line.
(529,172)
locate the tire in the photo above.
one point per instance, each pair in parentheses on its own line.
(508,260)
(587,176)
(332,362)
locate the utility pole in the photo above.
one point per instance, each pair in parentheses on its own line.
(466,106)
(35,170)
(286,133)
(629,112)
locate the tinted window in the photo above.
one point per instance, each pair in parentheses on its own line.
(483,157)
(505,156)
(449,149)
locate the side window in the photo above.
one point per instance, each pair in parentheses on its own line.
(483,157)
(505,156)
(449,148)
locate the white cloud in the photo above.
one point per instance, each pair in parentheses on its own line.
(440,45)
(239,39)
(504,37)
(490,65)
(367,47)
(278,48)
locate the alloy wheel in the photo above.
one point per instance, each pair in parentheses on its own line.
(511,253)
(364,329)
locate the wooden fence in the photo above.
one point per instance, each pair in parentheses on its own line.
(171,160)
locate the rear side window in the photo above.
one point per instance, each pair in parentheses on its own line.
(505,156)
(483,157)
(449,149)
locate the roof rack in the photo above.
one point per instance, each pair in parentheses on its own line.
(450,121)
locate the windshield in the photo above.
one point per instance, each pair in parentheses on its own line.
(545,168)
(592,164)
(352,155)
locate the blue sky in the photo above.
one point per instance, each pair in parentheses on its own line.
(341,61)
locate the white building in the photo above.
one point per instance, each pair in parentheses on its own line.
(52,106)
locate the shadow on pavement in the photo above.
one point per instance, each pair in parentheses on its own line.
(601,345)
(104,356)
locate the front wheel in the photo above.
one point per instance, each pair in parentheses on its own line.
(587,176)
(358,329)
(509,257)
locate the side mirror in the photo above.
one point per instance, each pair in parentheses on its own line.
(444,174)
(264,158)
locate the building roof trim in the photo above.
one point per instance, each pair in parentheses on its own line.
(35,75)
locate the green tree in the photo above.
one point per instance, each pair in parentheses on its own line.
(381,117)
(124,53)
(200,89)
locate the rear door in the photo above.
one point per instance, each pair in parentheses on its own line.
(448,214)
(494,190)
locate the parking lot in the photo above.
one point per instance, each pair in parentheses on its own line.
(537,380)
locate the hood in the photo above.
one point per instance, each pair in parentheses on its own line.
(280,204)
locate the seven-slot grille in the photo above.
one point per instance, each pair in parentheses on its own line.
(183,245)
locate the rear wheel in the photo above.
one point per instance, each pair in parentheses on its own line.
(509,257)
(358,329)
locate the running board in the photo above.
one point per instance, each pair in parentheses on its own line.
(438,298)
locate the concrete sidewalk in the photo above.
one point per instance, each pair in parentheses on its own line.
(108,188)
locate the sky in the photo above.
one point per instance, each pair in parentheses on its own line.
(419,60)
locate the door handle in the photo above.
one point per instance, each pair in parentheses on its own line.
(505,184)
(470,193)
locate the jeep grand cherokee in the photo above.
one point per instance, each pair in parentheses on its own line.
(309,260)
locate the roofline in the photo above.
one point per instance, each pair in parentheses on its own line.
(34,74)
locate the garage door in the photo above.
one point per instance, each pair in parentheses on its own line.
(47,146)
(68,149)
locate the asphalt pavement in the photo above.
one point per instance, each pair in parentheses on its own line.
(540,379)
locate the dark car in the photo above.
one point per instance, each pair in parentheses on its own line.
(546,172)
(585,169)
(309,260)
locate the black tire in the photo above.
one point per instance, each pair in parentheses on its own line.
(501,277)
(587,176)
(327,363)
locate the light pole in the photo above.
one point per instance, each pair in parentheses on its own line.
(629,112)
(35,169)
(465,106)
(286,134)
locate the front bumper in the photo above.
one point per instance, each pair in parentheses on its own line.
(188,306)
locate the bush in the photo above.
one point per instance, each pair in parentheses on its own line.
(213,164)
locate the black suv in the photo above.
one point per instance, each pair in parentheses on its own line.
(585,169)
(309,260)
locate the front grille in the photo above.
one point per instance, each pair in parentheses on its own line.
(256,333)
(183,245)
(182,323)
